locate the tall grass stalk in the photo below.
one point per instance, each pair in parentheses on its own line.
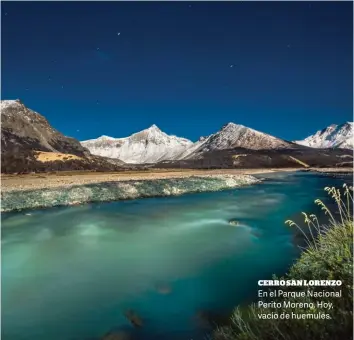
(329,256)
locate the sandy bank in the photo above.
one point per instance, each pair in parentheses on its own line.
(11,183)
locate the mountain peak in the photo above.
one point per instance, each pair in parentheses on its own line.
(153,129)
(7,103)
(232,126)
(233,135)
(147,146)
(333,136)
(105,137)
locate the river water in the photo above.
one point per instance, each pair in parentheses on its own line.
(71,273)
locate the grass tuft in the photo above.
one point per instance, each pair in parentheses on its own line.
(328,256)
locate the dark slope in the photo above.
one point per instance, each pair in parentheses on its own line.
(24,129)
(284,158)
(25,133)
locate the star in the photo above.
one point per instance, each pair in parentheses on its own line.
(231,65)
(288,46)
(62,86)
(77,130)
(97,48)
(190,6)
(49,78)
(5,13)
(118,33)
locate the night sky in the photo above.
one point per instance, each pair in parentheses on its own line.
(114,68)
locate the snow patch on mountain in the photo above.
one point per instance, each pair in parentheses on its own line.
(333,136)
(147,146)
(4,104)
(235,136)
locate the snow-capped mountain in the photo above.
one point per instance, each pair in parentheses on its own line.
(235,136)
(334,136)
(148,146)
(152,145)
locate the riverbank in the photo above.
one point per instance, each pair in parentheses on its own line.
(114,190)
(333,171)
(33,191)
(65,179)
(329,256)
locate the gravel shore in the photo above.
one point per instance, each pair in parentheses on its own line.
(110,191)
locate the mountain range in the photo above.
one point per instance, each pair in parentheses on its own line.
(27,138)
(152,145)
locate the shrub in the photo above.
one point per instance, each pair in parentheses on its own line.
(329,256)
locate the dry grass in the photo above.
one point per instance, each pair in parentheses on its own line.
(299,162)
(62,179)
(43,156)
(237,156)
(329,255)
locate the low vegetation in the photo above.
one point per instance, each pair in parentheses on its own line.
(43,156)
(328,256)
(256,159)
(29,161)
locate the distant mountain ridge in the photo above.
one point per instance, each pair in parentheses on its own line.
(333,136)
(152,145)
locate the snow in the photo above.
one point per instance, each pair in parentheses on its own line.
(152,145)
(147,146)
(234,135)
(334,136)
(5,104)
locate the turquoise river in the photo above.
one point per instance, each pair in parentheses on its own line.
(72,273)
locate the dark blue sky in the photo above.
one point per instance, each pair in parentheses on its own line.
(284,68)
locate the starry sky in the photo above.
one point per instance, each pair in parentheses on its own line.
(114,68)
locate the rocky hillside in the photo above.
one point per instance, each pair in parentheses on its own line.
(333,136)
(148,146)
(25,129)
(30,144)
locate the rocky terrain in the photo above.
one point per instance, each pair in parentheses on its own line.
(333,136)
(26,135)
(24,129)
(106,191)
